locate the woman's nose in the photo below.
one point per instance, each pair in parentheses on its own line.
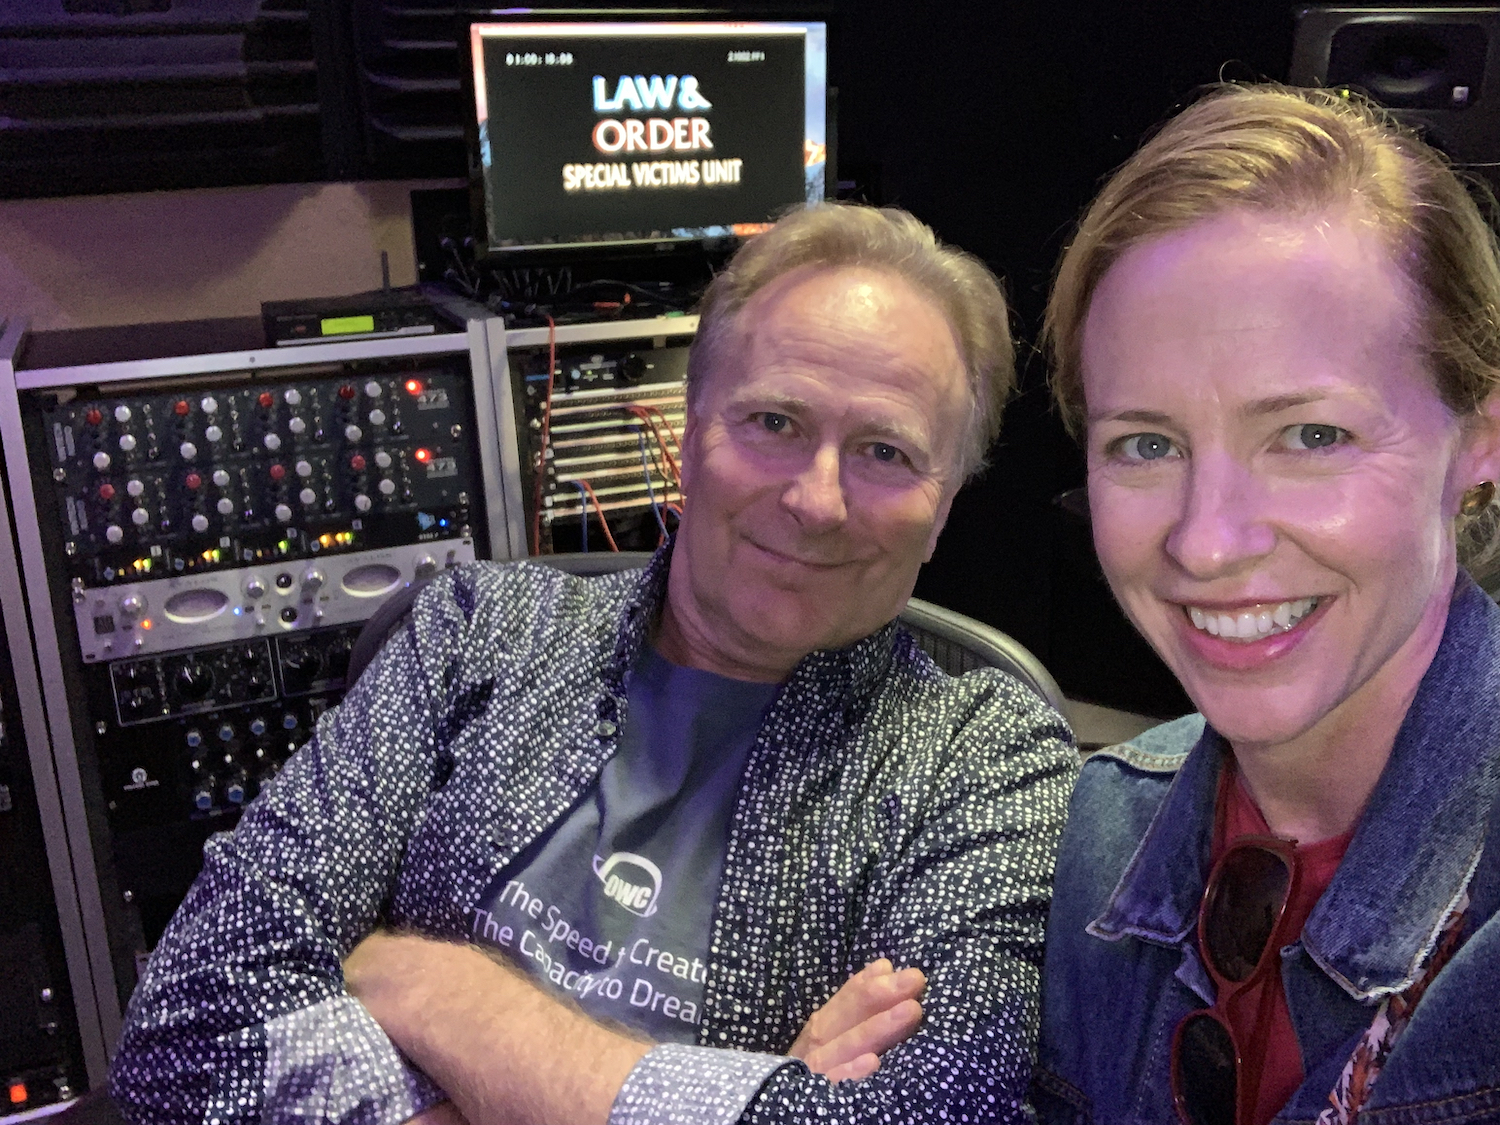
(1223,524)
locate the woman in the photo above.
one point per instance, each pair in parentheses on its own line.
(1277,333)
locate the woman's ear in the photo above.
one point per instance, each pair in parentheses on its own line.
(1482,444)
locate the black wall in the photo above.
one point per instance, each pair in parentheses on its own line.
(995,123)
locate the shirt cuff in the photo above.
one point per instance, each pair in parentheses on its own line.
(675,1084)
(331,1063)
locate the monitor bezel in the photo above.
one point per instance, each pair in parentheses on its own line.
(550,253)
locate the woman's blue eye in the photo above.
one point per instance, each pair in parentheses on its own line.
(775,422)
(1146,447)
(883,452)
(1314,435)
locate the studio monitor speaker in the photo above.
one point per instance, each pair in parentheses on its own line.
(1437,68)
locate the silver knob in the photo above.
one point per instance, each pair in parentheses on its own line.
(426,566)
(313,578)
(132,606)
(255,587)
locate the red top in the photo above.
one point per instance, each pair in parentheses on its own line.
(1282,1073)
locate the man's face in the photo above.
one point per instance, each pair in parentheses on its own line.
(819,463)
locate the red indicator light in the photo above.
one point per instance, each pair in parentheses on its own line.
(357,463)
(192,480)
(346,391)
(414,386)
(181,407)
(18,1093)
(423,456)
(93,417)
(265,399)
(106,491)
(146,624)
(278,471)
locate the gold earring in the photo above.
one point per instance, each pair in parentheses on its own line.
(1478,498)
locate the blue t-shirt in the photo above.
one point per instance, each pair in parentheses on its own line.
(613,906)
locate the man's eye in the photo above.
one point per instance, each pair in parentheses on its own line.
(883,452)
(776,423)
(1146,447)
(1313,435)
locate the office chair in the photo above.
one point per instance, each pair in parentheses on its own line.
(957,644)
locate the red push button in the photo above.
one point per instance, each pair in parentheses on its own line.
(193,481)
(93,417)
(106,491)
(181,407)
(346,391)
(278,472)
(357,463)
(18,1093)
(265,399)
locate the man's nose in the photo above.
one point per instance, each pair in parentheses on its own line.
(1224,525)
(815,496)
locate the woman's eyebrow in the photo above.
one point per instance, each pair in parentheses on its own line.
(1148,417)
(1277,403)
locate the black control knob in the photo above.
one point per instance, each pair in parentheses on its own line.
(193,681)
(235,789)
(299,668)
(203,795)
(633,369)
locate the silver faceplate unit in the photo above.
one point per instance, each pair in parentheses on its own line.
(141,618)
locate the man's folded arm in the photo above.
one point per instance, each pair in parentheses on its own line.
(242,1014)
(967,904)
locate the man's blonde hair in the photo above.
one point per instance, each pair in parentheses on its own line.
(1294,152)
(833,235)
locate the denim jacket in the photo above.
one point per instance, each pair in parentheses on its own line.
(1123,968)
(886,809)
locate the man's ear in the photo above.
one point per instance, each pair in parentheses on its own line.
(944,507)
(688,446)
(1481,461)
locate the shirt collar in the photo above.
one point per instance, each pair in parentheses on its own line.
(1413,852)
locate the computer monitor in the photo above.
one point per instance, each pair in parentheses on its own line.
(602,132)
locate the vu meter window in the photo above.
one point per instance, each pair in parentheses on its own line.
(621,132)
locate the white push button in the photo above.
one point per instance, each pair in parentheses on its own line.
(353,432)
(307,496)
(122,414)
(293,397)
(272,442)
(101,460)
(383,459)
(200,522)
(209,404)
(127,442)
(304,469)
(387,487)
(188,450)
(114,533)
(377,417)
(225,506)
(213,433)
(297,426)
(134,487)
(372,388)
(361,502)
(283,513)
(221,478)
(140,517)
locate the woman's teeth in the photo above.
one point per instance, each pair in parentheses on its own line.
(1251,625)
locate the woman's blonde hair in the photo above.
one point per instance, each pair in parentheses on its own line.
(1298,152)
(833,235)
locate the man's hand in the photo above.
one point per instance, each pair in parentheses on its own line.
(504,1051)
(874,1010)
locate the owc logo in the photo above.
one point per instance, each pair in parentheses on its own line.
(630,880)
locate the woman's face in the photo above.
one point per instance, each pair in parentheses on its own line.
(1272,476)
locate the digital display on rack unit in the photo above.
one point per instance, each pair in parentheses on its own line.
(646,132)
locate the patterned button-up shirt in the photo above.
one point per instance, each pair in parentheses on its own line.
(886,810)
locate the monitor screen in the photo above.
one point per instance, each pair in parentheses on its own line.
(601,132)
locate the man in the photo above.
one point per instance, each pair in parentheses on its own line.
(680,809)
